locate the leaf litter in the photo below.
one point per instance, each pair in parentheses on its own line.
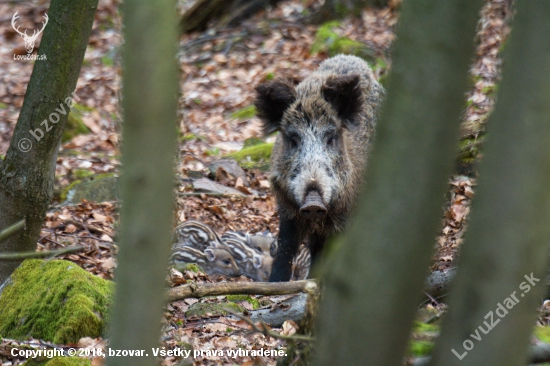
(218,75)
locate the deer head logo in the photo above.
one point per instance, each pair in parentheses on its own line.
(29,40)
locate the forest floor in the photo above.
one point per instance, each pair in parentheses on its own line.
(219,70)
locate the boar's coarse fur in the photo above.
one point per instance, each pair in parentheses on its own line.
(326,126)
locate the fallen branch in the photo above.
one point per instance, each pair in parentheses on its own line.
(241,288)
(89,229)
(290,309)
(12,230)
(269,333)
(43,254)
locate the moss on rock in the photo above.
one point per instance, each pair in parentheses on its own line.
(74,126)
(253,141)
(328,41)
(82,173)
(240,298)
(207,309)
(95,188)
(253,157)
(55,301)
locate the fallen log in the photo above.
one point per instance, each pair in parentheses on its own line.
(197,290)
(437,284)
(219,14)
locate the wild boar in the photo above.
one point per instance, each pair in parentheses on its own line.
(326,126)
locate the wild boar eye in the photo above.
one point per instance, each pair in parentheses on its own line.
(294,142)
(330,141)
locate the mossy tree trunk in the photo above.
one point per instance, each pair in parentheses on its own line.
(27,172)
(374,282)
(150,88)
(505,252)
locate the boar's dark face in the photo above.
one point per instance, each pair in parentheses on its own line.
(311,165)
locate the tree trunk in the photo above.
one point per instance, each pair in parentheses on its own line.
(373,283)
(147,190)
(27,173)
(505,251)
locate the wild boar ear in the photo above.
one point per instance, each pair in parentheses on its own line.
(272,99)
(345,95)
(210,255)
(257,261)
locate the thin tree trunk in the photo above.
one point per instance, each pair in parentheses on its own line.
(147,191)
(505,251)
(373,283)
(27,173)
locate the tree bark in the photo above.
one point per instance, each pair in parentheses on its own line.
(506,246)
(27,173)
(147,191)
(373,282)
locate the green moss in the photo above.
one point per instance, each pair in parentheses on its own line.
(255,153)
(420,327)
(490,90)
(240,298)
(190,137)
(244,113)
(206,309)
(74,127)
(420,348)
(253,141)
(82,108)
(54,301)
(469,149)
(66,190)
(107,61)
(82,173)
(3,105)
(329,42)
(60,361)
(96,187)
(69,361)
(193,267)
(270,76)
(213,152)
(253,157)
(543,334)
